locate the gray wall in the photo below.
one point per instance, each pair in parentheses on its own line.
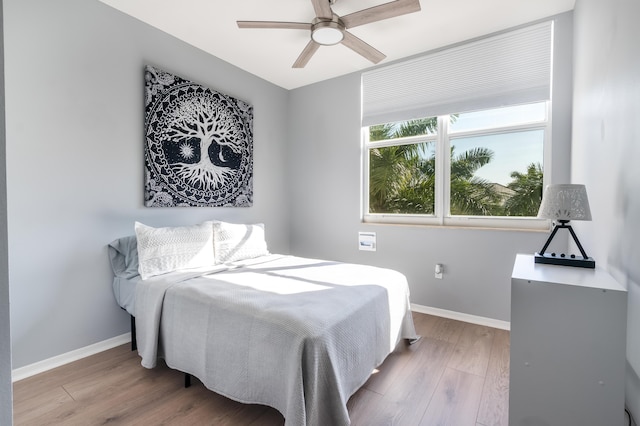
(6,407)
(606,150)
(74,101)
(325,157)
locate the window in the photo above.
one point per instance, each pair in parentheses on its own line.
(459,136)
(482,168)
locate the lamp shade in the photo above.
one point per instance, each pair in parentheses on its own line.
(565,202)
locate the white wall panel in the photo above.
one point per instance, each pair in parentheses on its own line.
(606,149)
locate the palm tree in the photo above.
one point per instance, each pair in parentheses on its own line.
(394,185)
(471,195)
(416,195)
(402,177)
(527,189)
(391,170)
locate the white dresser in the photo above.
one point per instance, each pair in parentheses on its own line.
(568,340)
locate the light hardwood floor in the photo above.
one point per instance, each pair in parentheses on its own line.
(457,374)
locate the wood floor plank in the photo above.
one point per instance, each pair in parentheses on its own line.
(361,405)
(455,401)
(270,417)
(443,329)
(107,380)
(112,404)
(29,409)
(33,386)
(198,406)
(473,350)
(405,401)
(416,383)
(423,323)
(494,405)
(382,377)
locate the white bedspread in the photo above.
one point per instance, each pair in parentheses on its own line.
(299,335)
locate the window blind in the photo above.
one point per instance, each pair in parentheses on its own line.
(506,69)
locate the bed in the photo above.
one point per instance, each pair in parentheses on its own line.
(299,335)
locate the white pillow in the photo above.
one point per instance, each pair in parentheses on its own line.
(162,250)
(233,242)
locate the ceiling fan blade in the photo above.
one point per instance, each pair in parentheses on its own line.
(378,13)
(306,54)
(362,48)
(322,8)
(273,24)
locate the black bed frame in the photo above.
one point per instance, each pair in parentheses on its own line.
(134,343)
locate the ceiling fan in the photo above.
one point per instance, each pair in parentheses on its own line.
(328,29)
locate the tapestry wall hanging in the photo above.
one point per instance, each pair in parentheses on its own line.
(198,145)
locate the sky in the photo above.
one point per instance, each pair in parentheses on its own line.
(512,151)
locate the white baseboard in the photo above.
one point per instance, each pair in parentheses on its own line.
(474,319)
(66,358)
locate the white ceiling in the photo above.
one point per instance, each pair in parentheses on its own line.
(269,53)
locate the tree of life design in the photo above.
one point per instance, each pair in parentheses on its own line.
(209,121)
(199,145)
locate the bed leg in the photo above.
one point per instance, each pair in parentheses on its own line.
(187,380)
(414,340)
(134,343)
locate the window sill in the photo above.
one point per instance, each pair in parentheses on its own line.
(461,222)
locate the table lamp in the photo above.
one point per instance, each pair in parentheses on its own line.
(563,203)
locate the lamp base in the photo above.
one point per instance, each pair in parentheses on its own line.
(550,259)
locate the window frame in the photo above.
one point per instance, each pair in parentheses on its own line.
(442,139)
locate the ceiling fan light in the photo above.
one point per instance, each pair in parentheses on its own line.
(327,33)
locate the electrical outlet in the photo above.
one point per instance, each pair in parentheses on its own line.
(439,270)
